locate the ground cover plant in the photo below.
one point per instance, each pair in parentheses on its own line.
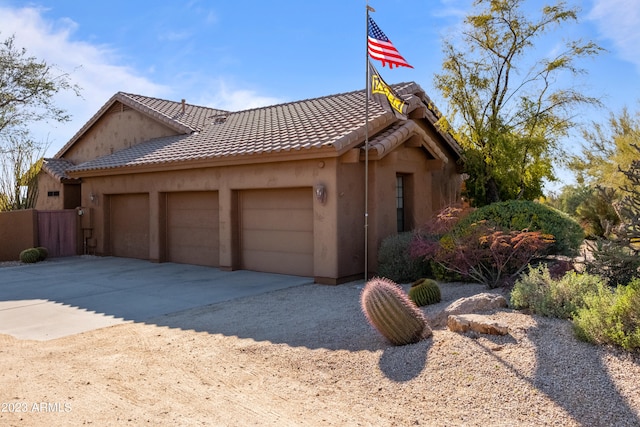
(540,293)
(611,316)
(600,314)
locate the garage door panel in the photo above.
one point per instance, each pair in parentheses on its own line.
(129,225)
(199,218)
(193,228)
(278,241)
(277,230)
(277,219)
(184,237)
(287,199)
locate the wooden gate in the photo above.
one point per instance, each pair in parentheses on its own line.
(58,232)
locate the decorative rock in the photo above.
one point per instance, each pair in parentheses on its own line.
(477,303)
(476,323)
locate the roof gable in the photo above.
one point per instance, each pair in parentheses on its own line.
(182,117)
(332,124)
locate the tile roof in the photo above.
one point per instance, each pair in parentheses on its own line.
(194,118)
(399,132)
(57,168)
(334,122)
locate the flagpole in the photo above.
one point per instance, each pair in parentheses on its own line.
(366,151)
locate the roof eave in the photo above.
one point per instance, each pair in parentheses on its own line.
(235,160)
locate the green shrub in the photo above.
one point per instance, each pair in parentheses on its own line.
(611,316)
(42,252)
(518,215)
(30,256)
(615,262)
(424,292)
(562,298)
(396,263)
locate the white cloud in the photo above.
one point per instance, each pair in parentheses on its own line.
(94,68)
(618,21)
(101,71)
(223,95)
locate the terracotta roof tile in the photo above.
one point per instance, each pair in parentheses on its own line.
(307,124)
(335,122)
(57,168)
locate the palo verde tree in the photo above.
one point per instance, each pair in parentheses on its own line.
(608,150)
(506,108)
(27,90)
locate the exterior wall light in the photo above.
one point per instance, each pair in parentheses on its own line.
(321,193)
(92,197)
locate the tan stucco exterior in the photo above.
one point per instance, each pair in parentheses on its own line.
(338,230)
(338,222)
(54,195)
(18,231)
(119,128)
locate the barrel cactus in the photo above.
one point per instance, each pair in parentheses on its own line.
(392,313)
(43,252)
(425,292)
(30,255)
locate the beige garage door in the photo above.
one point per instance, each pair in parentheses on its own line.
(276,231)
(129,225)
(192,228)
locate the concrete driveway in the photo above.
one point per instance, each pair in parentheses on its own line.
(66,296)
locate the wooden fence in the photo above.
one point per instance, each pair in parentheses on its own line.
(55,230)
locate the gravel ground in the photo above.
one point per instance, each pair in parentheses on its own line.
(305,356)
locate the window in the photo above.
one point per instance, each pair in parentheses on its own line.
(53,194)
(400,203)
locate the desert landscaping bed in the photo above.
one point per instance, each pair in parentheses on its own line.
(307,356)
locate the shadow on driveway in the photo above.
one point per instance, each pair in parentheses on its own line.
(66,296)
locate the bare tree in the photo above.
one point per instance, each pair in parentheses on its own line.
(20,163)
(27,90)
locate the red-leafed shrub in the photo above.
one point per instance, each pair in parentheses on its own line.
(480,252)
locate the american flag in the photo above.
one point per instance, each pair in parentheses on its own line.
(381,48)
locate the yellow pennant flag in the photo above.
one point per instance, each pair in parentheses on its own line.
(385,96)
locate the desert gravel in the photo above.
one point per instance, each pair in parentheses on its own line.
(305,356)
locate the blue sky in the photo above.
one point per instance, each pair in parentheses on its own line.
(244,53)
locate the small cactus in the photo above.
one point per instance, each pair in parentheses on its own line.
(30,255)
(43,252)
(424,292)
(392,313)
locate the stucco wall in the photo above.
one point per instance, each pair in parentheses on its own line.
(47,183)
(18,231)
(433,184)
(226,181)
(338,222)
(68,196)
(115,131)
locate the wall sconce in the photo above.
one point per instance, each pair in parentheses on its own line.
(321,193)
(92,197)
(80,211)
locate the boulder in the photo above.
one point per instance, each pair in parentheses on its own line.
(485,301)
(476,323)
